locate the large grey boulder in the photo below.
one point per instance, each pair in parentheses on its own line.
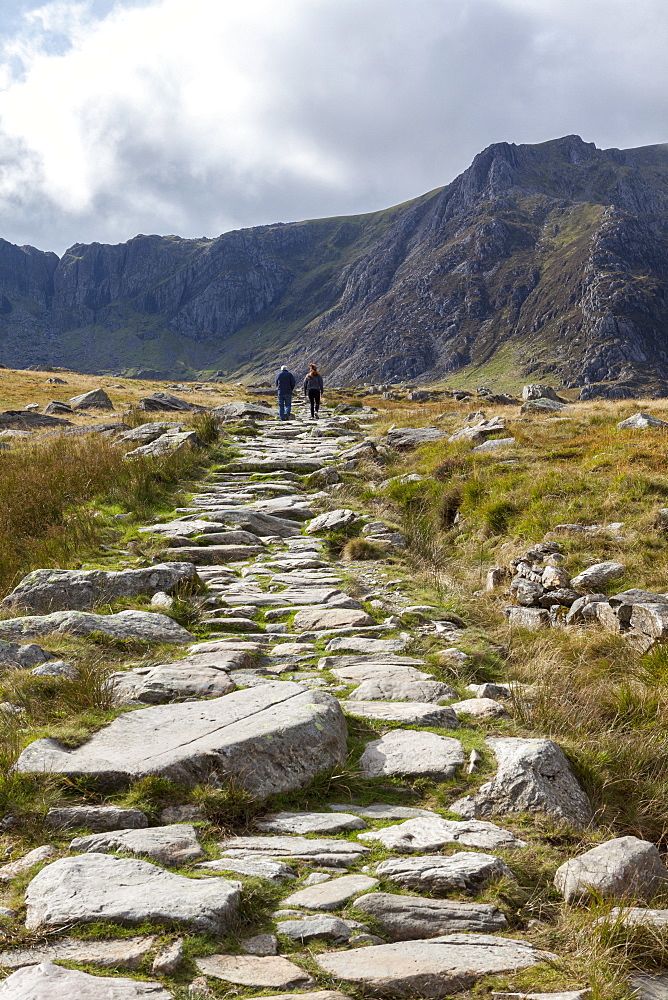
(623,867)
(46,590)
(320,619)
(433,968)
(239,409)
(463,871)
(539,392)
(159,401)
(598,575)
(393,688)
(404,918)
(96,399)
(532,776)
(404,438)
(431,833)
(169,682)
(332,520)
(143,625)
(168,845)
(268,739)
(167,443)
(542,405)
(405,751)
(325,851)
(213,555)
(99,887)
(96,818)
(639,421)
(146,433)
(51,982)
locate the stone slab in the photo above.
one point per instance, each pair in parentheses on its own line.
(360,644)
(305,823)
(96,818)
(408,752)
(267,972)
(271,738)
(143,625)
(405,918)
(127,953)
(383,810)
(264,868)
(320,850)
(326,618)
(399,688)
(50,982)
(176,844)
(464,871)
(169,682)
(100,887)
(431,833)
(332,894)
(411,713)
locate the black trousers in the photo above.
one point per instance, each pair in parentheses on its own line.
(314,400)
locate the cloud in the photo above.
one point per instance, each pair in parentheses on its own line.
(195,116)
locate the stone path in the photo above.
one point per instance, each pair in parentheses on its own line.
(262,701)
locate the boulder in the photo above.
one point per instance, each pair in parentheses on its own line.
(480,708)
(650,987)
(268,739)
(530,618)
(625,867)
(404,918)
(330,895)
(169,682)
(305,823)
(479,432)
(431,968)
(538,406)
(51,982)
(46,590)
(650,619)
(404,751)
(166,444)
(255,521)
(539,392)
(142,625)
(463,871)
(332,520)
(56,668)
(495,444)
(250,970)
(159,401)
(213,555)
(240,409)
(404,438)
(146,433)
(26,420)
(639,421)
(15,655)
(431,833)
(99,887)
(96,818)
(598,575)
(96,399)
(168,845)
(533,775)
(55,406)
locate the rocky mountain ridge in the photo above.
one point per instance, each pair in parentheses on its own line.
(545,260)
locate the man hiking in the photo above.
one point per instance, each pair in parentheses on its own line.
(285,382)
(313,388)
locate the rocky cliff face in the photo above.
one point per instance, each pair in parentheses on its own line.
(550,260)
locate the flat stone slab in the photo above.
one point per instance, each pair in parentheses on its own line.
(405,918)
(169,682)
(176,844)
(50,982)
(322,925)
(251,970)
(622,867)
(391,661)
(271,738)
(270,871)
(332,894)
(403,438)
(100,887)
(212,555)
(532,776)
(96,818)
(143,625)
(433,968)
(399,688)
(651,987)
(46,590)
(411,713)
(127,953)
(332,520)
(569,995)
(480,708)
(295,822)
(631,916)
(360,644)
(431,833)
(325,618)
(405,751)
(318,995)
(464,871)
(383,810)
(319,850)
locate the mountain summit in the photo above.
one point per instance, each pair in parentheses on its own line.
(546,260)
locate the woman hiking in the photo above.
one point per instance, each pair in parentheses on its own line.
(313,388)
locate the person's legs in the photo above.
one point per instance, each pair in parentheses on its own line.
(311,398)
(288,406)
(316,396)
(281,406)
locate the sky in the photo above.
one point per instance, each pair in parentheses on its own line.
(195,117)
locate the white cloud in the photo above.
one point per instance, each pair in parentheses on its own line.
(199,115)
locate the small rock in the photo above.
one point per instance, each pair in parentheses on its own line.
(639,421)
(162,600)
(322,925)
(623,867)
(409,713)
(198,989)
(24,864)
(7,914)
(480,708)
(168,959)
(260,944)
(316,878)
(56,668)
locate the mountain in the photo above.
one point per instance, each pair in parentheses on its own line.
(545,261)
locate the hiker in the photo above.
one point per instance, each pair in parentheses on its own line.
(285,381)
(313,388)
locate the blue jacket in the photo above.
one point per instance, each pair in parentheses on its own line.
(285,381)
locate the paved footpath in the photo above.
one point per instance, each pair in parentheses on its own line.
(392,891)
